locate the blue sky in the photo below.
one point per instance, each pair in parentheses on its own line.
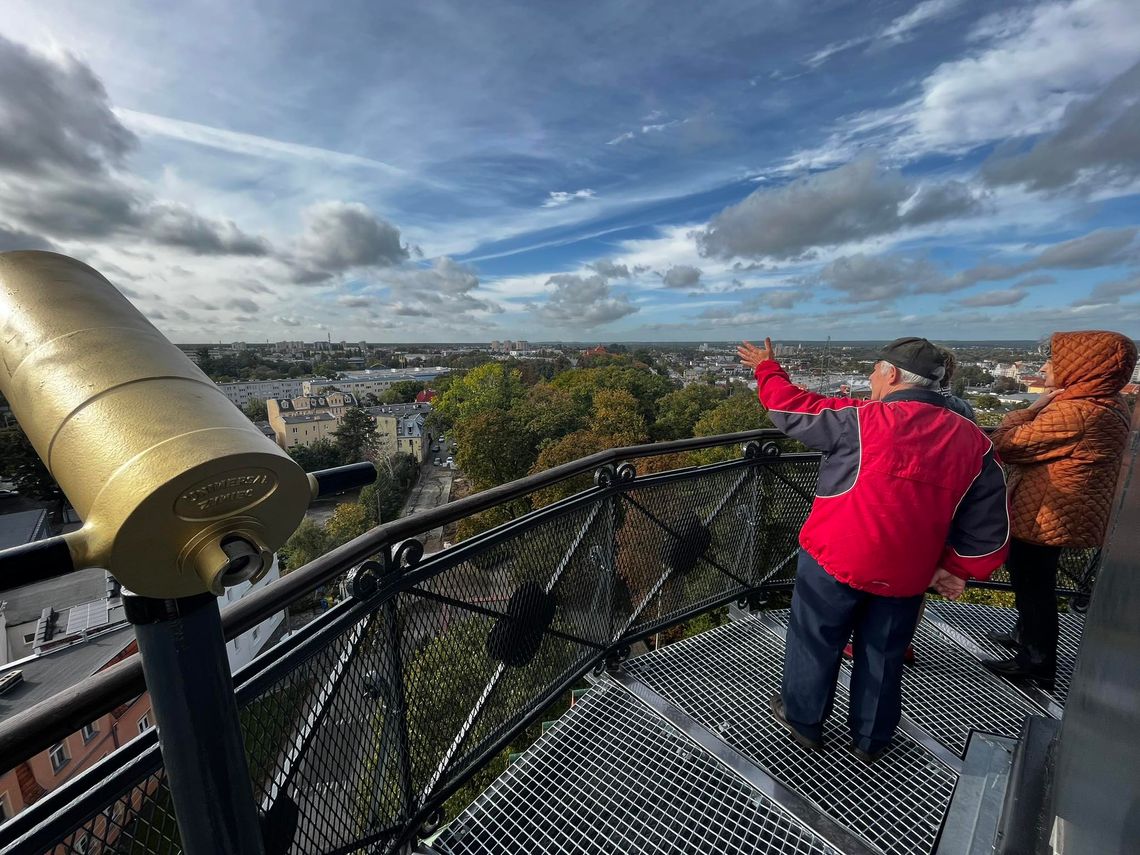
(626,171)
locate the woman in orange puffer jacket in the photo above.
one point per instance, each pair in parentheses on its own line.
(1063,454)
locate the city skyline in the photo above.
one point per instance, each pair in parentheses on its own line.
(625,173)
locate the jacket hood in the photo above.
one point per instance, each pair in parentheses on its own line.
(1092,364)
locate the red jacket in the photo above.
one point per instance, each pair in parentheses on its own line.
(906,486)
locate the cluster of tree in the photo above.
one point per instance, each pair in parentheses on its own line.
(505,427)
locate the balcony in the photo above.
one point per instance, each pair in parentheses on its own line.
(360,729)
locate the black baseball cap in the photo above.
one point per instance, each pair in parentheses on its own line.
(916,355)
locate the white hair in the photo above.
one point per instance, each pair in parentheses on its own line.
(909,377)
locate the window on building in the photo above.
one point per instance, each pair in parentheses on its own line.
(89,731)
(256,632)
(144,722)
(82,844)
(5,808)
(59,756)
(29,637)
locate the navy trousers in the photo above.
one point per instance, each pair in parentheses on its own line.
(825,612)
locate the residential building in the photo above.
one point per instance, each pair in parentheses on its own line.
(57,632)
(241,393)
(306,418)
(401,428)
(372,381)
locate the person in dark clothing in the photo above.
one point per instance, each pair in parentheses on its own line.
(910,495)
(1064,455)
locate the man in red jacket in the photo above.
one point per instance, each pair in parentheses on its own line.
(910,495)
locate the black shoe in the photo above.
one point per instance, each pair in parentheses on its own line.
(869,757)
(776,705)
(1018,671)
(1004,639)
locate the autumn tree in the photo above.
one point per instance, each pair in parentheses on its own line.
(489,387)
(741,411)
(493,448)
(679,411)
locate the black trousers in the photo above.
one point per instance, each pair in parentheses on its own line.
(1033,573)
(824,613)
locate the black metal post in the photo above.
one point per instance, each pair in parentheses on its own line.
(192,695)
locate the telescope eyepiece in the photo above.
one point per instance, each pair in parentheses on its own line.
(244,560)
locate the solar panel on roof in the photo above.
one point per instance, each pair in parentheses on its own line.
(87,616)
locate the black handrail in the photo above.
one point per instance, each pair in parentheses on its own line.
(27,733)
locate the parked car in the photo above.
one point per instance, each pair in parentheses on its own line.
(436,461)
(435,448)
(450,461)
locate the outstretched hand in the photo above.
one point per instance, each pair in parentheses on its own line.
(751,355)
(947,584)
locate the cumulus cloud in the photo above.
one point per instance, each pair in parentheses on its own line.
(865,279)
(558,198)
(1009,297)
(781,298)
(343,236)
(609,269)
(1098,140)
(583,301)
(176,225)
(442,290)
(681,276)
(856,201)
(1109,293)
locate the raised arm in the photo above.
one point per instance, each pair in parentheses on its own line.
(815,420)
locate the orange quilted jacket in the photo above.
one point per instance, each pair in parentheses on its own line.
(1064,459)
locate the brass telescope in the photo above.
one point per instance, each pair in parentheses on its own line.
(179,492)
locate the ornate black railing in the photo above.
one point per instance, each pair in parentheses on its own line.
(359,727)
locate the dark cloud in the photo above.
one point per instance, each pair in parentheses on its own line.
(1110,292)
(584,301)
(1098,141)
(1010,297)
(609,269)
(1096,249)
(934,202)
(55,115)
(411,311)
(781,298)
(62,152)
(1035,280)
(681,276)
(856,201)
(177,225)
(287,321)
(343,236)
(11,239)
(355,302)
(864,279)
(243,304)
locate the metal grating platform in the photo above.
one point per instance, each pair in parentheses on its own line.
(974,621)
(612,777)
(947,693)
(723,679)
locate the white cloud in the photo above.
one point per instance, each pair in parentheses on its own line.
(558,198)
